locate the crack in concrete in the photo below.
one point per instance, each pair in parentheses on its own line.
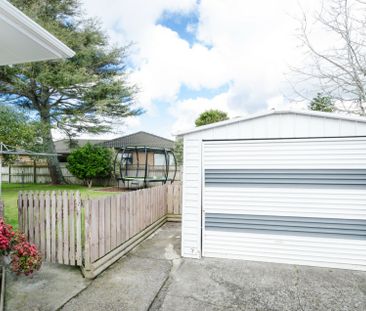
(75,296)
(151,258)
(175,261)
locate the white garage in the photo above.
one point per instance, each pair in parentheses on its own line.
(285,186)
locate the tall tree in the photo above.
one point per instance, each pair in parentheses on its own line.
(211,116)
(322,103)
(338,68)
(78,95)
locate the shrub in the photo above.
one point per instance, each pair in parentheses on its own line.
(6,237)
(25,257)
(90,161)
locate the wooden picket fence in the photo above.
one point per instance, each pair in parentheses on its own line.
(53,221)
(94,233)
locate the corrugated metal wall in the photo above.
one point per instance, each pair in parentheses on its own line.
(293,201)
(285,125)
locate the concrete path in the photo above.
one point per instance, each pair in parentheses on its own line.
(133,282)
(46,290)
(154,277)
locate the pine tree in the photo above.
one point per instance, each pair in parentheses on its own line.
(76,95)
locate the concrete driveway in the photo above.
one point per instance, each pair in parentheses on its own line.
(154,277)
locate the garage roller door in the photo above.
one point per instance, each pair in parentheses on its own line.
(299,201)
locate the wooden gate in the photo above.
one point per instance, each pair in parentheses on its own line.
(53,221)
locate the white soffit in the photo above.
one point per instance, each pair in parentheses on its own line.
(22,40)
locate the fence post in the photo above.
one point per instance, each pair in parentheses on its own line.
(20,211)
(9,175)
(34,171)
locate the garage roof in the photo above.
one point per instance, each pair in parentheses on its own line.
(323,115)
(23,40)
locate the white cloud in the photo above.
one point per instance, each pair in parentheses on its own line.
(169,61)
(186,111)
(132,20)
(244,44)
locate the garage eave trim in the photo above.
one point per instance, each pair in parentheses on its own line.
(17,19)
(325,115)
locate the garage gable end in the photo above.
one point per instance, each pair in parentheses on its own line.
(281,124)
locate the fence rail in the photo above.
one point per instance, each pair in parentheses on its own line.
(94,233)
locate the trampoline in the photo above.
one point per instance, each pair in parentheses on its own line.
(138,166)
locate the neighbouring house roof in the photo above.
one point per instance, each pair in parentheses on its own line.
(23,40)
(140,139)
(316,114)
(64,146)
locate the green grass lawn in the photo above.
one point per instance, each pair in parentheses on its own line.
(10,196)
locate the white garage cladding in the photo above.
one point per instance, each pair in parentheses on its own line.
(263,196)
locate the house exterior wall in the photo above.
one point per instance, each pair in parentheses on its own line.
(142,158)
(272,126)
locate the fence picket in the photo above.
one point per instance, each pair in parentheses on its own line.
(71,228)
(53,226)
(135,215)
(113,222)
(101,227)
(31,216)
(176,202)
(152,198)
(88,233)
(130,214)
(118,219)
(107,207)
(36,217)
(160,205)
(122,199)
(48,225)
(42,222)
(65,227)
(146,210)
(59,237)
(25,214)
(127,213)
(78,229)
(94,228)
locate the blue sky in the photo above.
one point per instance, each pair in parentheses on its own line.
(189,56)
(183,24)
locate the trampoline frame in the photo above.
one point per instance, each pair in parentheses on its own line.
(145,150)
